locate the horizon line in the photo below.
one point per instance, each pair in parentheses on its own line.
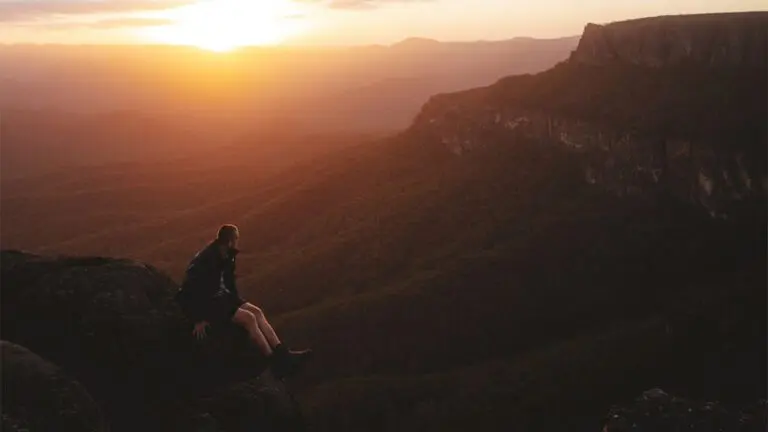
(286,45)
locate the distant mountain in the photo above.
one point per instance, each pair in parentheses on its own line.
(256,82)
(56,112)
(672,104)
(417,69)
(416,42)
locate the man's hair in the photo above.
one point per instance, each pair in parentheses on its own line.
(226,232)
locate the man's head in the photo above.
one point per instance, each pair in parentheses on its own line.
(228,235)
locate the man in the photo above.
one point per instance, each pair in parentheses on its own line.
(208,296)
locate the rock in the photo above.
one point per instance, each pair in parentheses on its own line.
(39,396)
(655,394)
(113,325)
(656,411)
(637,115)
(706,40)
(245,407)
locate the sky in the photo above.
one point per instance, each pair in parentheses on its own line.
(222,25)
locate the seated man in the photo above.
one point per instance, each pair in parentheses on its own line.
(208,296)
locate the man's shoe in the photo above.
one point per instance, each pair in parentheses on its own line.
(287,362)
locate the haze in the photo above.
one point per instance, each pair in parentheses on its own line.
(482,215)
(224,25)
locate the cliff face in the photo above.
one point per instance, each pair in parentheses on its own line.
(711,40)
(641,107)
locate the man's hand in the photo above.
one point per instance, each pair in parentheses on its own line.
(199,330)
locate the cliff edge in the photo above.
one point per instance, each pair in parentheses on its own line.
(671,107)
(706,40)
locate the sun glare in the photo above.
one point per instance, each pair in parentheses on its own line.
(224,25)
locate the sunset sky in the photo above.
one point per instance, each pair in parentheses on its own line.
(225,24)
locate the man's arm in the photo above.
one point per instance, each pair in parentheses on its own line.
(229,277)
(194,287)
(194,309)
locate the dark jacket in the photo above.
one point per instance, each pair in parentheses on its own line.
(202,280)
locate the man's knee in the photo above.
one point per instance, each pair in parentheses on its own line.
(254,310)
(244,317)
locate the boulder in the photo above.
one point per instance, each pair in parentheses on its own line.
(657,411)
(39,396)
(113,325)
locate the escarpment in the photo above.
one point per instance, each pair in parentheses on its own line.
(670,106)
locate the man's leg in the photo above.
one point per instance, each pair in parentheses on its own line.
(264,325)
(288,360)
(248,321)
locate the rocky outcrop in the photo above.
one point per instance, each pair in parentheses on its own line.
(38,396)
(657,411)
(112,324)
(638,122)
(707,40)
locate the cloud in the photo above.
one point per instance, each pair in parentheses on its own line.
(20,11)
(31,10)
(125,22)
(101,24)
(353,4)
(27,10)
(359,4)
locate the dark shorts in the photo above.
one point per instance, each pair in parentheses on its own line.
(222,308)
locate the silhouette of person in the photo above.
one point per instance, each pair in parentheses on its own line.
(209,295)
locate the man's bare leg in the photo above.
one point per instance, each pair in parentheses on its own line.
(287,361)
(264,325)
(248,321)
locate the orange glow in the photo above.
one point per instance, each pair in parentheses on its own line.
(224,25)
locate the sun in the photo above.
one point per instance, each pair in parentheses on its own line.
(224,25)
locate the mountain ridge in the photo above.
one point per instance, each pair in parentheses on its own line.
(695,129)
(704,40)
